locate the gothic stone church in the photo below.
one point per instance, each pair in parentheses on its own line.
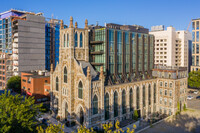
(105,72)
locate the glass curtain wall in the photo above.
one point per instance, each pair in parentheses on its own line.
(111,51)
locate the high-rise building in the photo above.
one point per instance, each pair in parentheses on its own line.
(104,74)
(195,45)
(52,36)
(22,38)
(171,46)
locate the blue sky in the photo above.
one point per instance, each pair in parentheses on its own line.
(147,13)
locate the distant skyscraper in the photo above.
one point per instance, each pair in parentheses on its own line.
(171,46)
(52,35)
(195,45)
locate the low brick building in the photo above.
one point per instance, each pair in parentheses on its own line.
(36,83)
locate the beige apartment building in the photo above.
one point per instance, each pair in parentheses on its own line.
(195,45)
(171,46)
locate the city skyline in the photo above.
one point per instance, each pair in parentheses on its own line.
(145,13)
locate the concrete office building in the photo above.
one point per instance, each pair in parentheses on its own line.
(171,46)
(22,38)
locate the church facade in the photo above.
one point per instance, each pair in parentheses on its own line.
(104,74)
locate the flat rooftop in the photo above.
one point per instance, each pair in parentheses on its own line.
(37,74)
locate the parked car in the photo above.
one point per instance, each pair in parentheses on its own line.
(196,92)
(190,91)
(190,97)
(198,97)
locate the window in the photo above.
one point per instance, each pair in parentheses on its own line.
(81,40)
(46,81)
(115,104)
(106,106)
(165,101)
(67,40)
(76,41)
(57,84)
(154,92)
(165,92)
(170,112)
(170,93)
(193,25)
(193,36)
(144,98)
(170,103)
(131,99)
(149,94)
(165,84)
(138,98)
(123,102)
(161,83)
(160,91)
(95,105)
(197,60)
(197,48)
(65,75)
(64,40)
(170,85)
(197,25)
(23,80)
(80,90)
(160,100)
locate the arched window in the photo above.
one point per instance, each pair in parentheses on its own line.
(95,105)
(138,97)
(65,75)
(80,90)
(131,99)
(115,104)
(106,106)
(64,40)
(154,93)
(81,40)
(76,39)
(149,94)
(67,40)
(57,84)
(123,102)
(144,98)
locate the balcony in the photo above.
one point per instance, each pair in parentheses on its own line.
(97,52)
(97,64)
(15,51)
(16,40)
(15,45)
(96,42)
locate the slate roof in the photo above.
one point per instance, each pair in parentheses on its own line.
(94,74)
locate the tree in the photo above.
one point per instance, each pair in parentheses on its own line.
(194,79)
(51,129)
(135,115)
(17,114)
(14,83)
(184,107)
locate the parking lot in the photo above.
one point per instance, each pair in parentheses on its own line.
(193,103)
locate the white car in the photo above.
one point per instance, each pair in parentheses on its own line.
(195,92)
(189,97)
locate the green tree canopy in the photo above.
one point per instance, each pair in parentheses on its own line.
(17,115)
(194,79)
(14,83)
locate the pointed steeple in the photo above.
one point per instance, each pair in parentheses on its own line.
(71,22)
(86,23)
(76,25)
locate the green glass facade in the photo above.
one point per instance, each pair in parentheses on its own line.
(122,53)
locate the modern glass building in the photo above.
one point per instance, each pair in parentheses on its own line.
(52,35)
(125,52)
